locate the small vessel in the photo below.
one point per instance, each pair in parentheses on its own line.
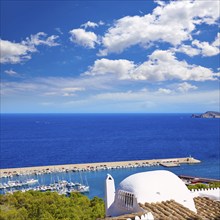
(14,184)
(82,189)
(31,181)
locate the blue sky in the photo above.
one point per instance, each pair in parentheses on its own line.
(109,56)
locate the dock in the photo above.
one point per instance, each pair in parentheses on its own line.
(97,166)
(171,164)
(194,179)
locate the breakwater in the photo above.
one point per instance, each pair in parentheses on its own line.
(170,162)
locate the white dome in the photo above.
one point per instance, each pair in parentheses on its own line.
(158,186)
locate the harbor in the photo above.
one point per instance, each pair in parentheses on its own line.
(64,181)
(62,187)
(170,162)
(68,178)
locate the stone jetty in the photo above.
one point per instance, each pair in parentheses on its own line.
(96,166)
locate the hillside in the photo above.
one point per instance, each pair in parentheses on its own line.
(208,114)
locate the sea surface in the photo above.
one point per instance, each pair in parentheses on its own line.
(53,139)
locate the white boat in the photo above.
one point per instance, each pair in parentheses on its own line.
(83,189)
(32,181)
(14,184)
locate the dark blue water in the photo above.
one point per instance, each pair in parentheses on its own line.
(49,139)
(36,139)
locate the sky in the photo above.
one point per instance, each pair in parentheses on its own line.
(110,56)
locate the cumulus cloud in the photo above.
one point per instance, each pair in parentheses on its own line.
(121,68)
(185,87)
(177,88)
(90,24)
(187,49)
(13,53)
(161,66)
(84,38)
(203,48)
(208,49)
(216,42)
(181,16)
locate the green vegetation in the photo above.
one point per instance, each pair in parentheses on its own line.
(214,185)
(204,186)
(49,206)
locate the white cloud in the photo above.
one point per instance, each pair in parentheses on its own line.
(55,90)
(173,22)
(41,39)
(121,68)
(164,91)
(101,23)
(59,30)
(138,101)
(185,87)
(13,53)
(11,72)
(90,24)
(68,94)
(187,49)
(216,42)
(102,94)
(55,86)
(73,89)
(161,66)
(206,48)
(84,38)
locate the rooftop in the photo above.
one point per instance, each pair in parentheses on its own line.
(171,210)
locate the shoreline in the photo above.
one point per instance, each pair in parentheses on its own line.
(38,170)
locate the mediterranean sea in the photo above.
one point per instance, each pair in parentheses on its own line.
(53,139)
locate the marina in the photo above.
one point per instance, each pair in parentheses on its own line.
(62,187)
(65,179)
(95,178)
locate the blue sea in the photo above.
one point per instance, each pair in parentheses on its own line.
(53,139)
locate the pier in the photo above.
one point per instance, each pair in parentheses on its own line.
(96,166)
(194,179)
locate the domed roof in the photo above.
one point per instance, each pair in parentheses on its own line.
(158,186)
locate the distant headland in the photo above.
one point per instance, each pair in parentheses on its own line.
(208,114)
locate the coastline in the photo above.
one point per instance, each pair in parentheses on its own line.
(169,162)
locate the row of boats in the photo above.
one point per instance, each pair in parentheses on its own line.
(17,183)
(62,187)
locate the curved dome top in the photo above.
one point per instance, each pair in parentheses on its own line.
(158,186)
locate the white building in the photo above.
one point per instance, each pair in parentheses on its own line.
(152,186)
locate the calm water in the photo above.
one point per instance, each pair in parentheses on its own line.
(49,139)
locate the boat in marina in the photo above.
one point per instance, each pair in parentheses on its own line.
(83,189)
(31,181)
(15,184)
